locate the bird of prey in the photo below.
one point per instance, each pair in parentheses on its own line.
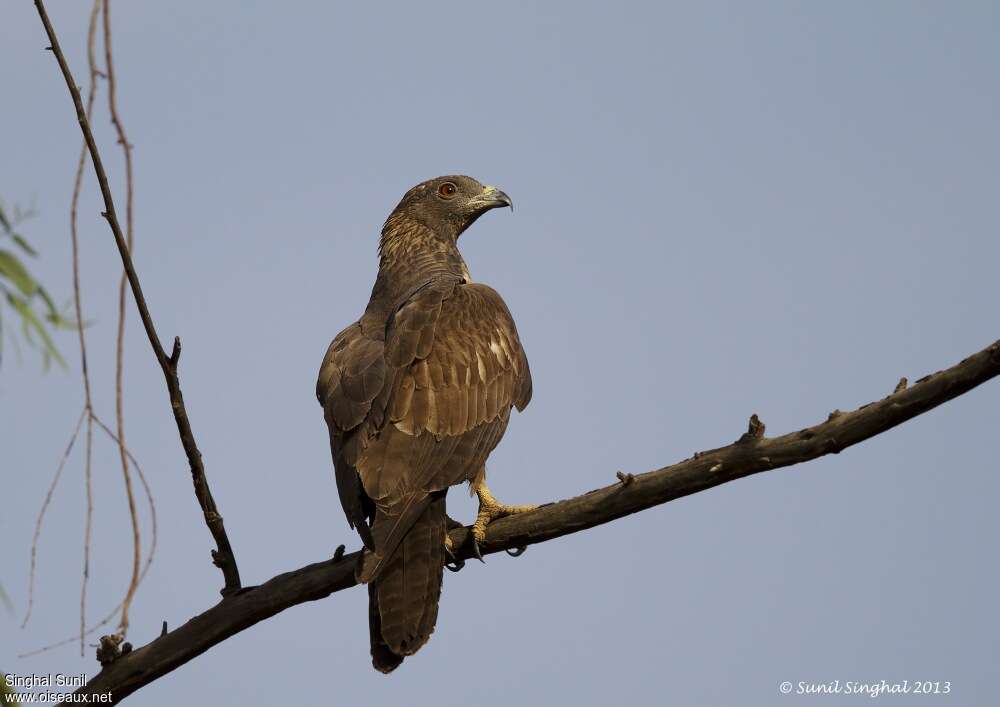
(416,395)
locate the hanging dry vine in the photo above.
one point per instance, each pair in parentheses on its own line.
(89,414)
(120,342)
(223,556)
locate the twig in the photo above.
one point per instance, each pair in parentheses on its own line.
(149,558)
(223,556)
(88,405)
(88,527)
(41,517)
(242,610)
(120,342)
(146,489)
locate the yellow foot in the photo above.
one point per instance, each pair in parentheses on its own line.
(489,510)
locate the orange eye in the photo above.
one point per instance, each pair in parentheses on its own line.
(447,190)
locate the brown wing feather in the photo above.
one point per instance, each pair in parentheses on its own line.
(408,413)
(470,376)
(352,375)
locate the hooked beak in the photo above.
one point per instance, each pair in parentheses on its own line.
(491,198)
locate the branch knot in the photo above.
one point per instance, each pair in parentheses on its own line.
(755,430)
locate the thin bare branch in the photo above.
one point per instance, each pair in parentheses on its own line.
(154,531)
(41,517)
(74,204)
(223,556)
(750,454)
(120,342)
(88,527)
(88,405)
(145,567)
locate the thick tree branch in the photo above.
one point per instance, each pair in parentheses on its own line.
(750,454)
(223,555)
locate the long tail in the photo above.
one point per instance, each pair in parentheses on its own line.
(403,597)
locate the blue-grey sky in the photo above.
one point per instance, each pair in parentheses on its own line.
(722,208)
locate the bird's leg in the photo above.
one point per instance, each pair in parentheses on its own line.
(489,510)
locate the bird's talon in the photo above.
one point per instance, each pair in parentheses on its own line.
(476,552)
(453,563)
(516,551)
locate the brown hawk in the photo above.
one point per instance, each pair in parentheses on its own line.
(416,394)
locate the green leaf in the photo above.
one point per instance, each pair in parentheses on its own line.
(52,315)
(13,270)
(25,295)
(25,246)
(29,322)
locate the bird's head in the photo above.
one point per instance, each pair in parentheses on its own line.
(449,205)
